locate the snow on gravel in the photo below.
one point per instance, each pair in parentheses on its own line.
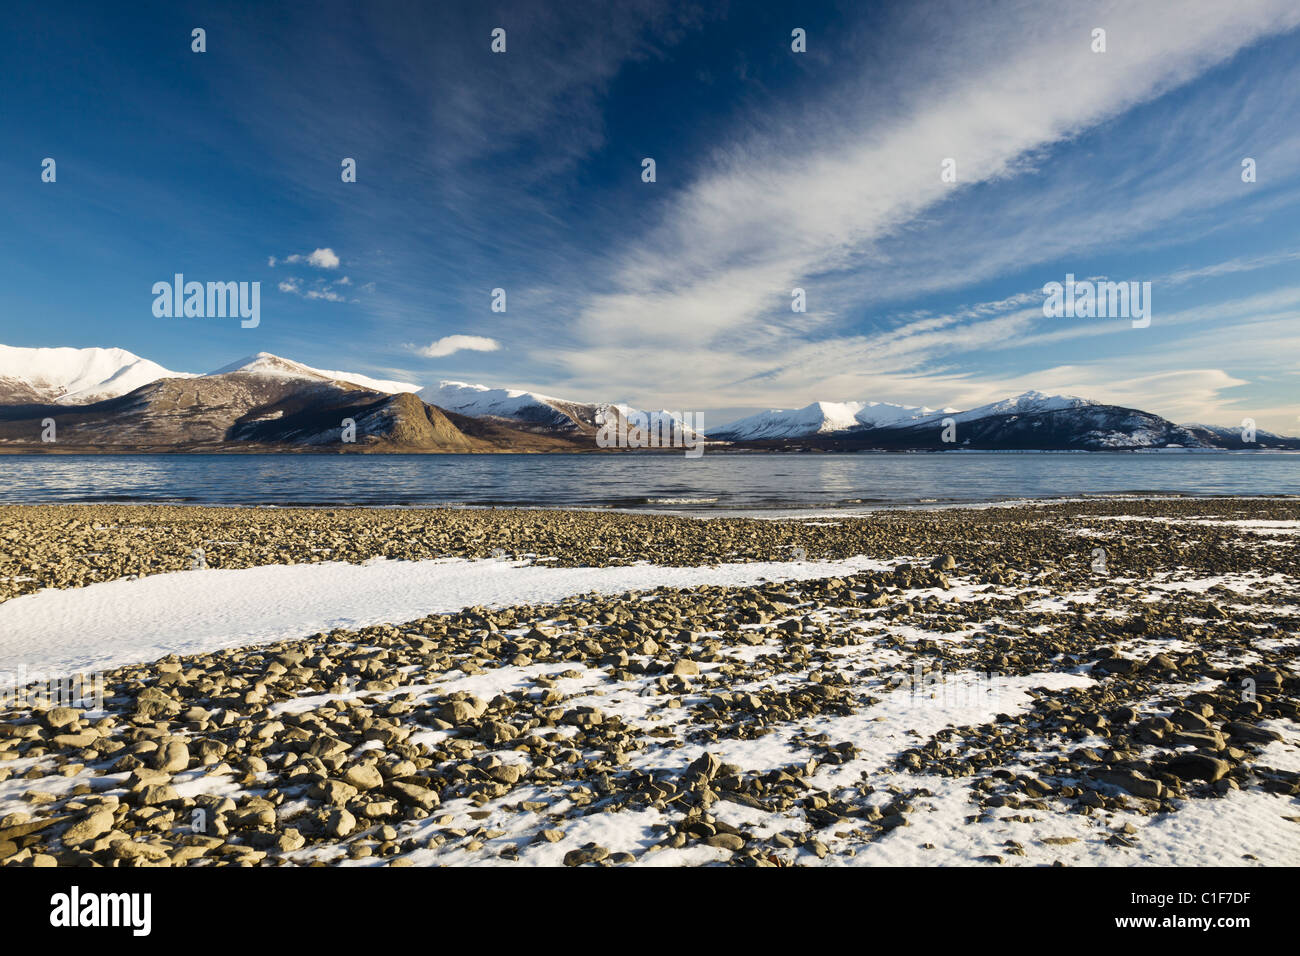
(188,612)
(882,731)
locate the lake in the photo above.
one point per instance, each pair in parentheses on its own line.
(718,482)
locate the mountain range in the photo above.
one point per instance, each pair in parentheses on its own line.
(102,399)
(1030,421)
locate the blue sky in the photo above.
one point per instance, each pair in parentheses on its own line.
(775,170)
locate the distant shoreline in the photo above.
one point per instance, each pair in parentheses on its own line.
(97,450)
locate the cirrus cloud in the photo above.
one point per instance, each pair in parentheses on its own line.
(321,290)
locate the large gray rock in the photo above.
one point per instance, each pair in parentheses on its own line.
(363,776)
(333,791)
(413,795)
(1132,781)
(56,718)
(462,711)
(89,827)
(340,823)
(1197,766)
(171,758)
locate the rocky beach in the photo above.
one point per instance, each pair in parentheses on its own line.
(1096,682)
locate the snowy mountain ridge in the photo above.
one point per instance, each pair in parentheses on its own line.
(72,376)
(822,418)
(825,418)
(1032,419)
(273,366)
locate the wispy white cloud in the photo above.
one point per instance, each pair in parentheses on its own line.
(319,290)
(450,344)
(696,308)
(766,220)
(1229,267)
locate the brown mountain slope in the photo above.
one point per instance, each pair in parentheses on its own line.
(238,411)
(15,392)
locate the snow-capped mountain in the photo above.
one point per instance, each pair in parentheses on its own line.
(1031,420)
(887,414)
(263,403)
(112,399)
(70,376)
(273,366)
(545,413)
(821,418)
(1026,403)
(1079,425)
(1232,437)
(661,422)
(510,404)
(829,418)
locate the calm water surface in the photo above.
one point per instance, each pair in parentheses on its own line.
(713,482)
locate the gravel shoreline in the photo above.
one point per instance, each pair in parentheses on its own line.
(75,545)
(996,695)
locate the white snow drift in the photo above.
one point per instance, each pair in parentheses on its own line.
(186,612)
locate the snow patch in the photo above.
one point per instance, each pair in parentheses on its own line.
(188,612)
